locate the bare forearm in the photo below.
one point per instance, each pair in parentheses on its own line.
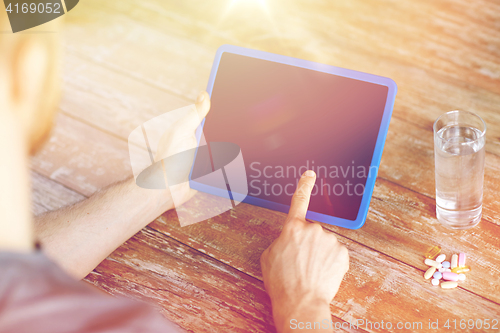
(305,316)
(79,237)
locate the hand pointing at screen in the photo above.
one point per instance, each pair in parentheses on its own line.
(303,267)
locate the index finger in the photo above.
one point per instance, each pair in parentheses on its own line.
(302,195)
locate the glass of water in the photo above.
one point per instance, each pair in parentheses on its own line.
(459,138)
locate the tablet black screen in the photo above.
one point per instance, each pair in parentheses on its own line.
(288,119)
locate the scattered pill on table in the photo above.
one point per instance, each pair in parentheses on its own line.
(433,252)
(429,272)
(450,276)
(461,259)
(430,262)
(454,261)
(449,284)
(445,273)
(440,258)
(459,270)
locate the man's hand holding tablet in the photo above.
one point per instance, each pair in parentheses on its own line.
(303,267)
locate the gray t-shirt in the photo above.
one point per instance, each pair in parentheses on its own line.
(36,296)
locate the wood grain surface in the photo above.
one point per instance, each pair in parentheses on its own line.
(128,61)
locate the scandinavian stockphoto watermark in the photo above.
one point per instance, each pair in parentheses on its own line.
(448,325)
(326,324)
(332,180)
(26,14)
(162,154)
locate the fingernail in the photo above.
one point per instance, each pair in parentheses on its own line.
(309,173)
(200,98)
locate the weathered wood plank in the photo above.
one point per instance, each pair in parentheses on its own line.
(433,35)
(401,224)
(49,195)
(429,74)
(130,61)
(193,290)
(238,237)
(114,103)
(82,157)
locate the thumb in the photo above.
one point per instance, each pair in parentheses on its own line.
(189,122)
(203,104)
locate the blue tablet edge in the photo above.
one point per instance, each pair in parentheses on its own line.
(377,153)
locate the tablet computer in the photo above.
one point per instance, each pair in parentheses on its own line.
(284,116)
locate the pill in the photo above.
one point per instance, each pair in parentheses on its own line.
(437,275)
(440,258)
(461,277)
(446,270)
(430,262)
(441,270)
(454,261)
(461,259)
(446,264)
(432,252)
(450,276)
(459,270)
(449,284)
(429,273)
(435,282)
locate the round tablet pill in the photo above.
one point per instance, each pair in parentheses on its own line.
(440,258)
(435,282)
(446,264)
(461,277)
(437,275)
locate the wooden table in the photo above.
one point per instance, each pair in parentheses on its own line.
(128,61)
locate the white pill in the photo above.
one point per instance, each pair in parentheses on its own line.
(433,263)
(440,258)
(435,282)
(447,270)
(441,270)
(454,261)
(461,277)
